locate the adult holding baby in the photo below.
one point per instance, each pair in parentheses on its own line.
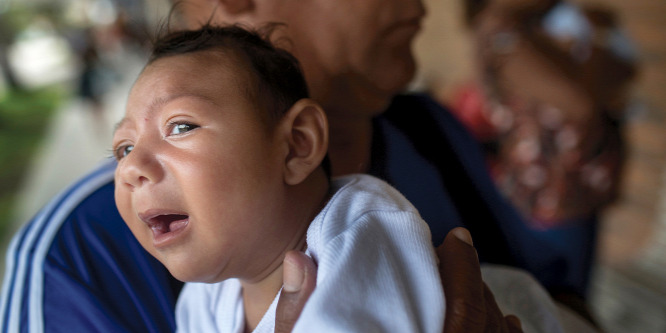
(356,57)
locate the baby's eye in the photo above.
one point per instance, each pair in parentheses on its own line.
(122,151)
(180,128)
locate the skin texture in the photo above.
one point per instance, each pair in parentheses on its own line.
(192,146)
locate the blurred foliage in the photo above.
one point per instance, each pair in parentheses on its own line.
(15,19)
(19,16)
(24,116)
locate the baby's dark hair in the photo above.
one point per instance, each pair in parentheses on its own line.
(279,79)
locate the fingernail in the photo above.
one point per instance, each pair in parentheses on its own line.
(293,276)
(463,235)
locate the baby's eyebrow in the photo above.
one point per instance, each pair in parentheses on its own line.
(119,125)
(157,103)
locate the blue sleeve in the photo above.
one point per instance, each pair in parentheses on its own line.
(77,268)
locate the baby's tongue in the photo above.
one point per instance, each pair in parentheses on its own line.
(178,223)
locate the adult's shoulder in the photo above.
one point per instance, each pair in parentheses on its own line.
(76,264)
(40,231)
(428,125)
(30,246)
(420,112)
(415,100)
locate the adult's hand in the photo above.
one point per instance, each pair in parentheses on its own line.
(470,305)
(299,275)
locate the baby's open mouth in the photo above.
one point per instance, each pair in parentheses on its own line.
(162,224)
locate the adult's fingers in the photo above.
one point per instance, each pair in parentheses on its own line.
(463,286)
(496,322)
(513,323)
(299,275)
(470,304)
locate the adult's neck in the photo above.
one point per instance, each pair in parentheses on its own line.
(350,144)
(350,113)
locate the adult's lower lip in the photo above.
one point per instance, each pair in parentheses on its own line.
(405,29)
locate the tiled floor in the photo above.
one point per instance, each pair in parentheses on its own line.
(629,284)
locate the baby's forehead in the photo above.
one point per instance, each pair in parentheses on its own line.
(219,67)
(217,75)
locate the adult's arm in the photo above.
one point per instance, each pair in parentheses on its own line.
(77,268)
(470,305)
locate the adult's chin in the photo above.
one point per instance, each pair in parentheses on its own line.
(392,82)
(395,76)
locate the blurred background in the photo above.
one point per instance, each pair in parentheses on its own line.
(66,67)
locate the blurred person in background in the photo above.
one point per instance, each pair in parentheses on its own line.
(548,101)
(90,86)
(101,49)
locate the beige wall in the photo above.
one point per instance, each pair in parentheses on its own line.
(443,50)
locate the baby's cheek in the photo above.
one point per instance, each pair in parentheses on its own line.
(137,228)
(122,200)
(129,217)
(125,210)
(143,234)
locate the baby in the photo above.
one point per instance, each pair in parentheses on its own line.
(220,174)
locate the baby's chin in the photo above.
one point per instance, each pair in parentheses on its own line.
(192,276)
(185,272)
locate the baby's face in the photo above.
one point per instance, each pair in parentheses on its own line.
(199,175)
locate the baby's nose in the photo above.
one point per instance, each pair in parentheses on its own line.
(137,168)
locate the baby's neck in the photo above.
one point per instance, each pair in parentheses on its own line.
(258,296)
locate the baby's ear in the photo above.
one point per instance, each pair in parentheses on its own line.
(306,128)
